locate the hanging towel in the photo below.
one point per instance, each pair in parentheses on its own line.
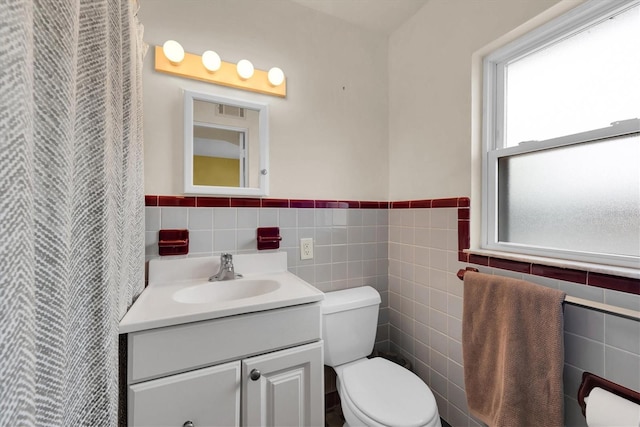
(513,351)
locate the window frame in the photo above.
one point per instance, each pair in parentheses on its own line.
(493,125)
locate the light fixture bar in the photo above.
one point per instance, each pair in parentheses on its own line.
(191,67)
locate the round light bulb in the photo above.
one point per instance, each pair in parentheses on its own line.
(173,51)
(245,69)
(211,61)
(275,76)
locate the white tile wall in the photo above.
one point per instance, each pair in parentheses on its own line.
(410,256)
(350,245)
(425,313)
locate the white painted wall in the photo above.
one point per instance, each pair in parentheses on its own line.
(329,137)
(430,92)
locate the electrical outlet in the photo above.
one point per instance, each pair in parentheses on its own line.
(306,248)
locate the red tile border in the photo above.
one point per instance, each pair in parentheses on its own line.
(371,205)
(566,274)
(464,235)
(400,205)
(507,264)
(464,213)
(445,203)
(302,203)
(420,204)
(151,200)
(213,202)
(177,201)
(245,203)
(616,283)
(479,259)
(275,203)
(464,202)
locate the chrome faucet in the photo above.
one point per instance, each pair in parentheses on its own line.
(226,271)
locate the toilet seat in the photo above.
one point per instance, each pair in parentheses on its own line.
(387,394)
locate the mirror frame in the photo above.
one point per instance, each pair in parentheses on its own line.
(263,136)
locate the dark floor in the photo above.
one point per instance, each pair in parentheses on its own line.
(333,417)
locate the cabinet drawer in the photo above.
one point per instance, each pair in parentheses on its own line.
(160,352)
(206,397)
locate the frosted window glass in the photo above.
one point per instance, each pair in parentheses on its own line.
(584,82)
(583,198)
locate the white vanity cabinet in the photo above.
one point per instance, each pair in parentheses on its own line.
(256,369)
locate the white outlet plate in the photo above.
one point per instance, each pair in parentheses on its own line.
(306,248)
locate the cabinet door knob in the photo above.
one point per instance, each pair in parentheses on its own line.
(188,424)
(254,375)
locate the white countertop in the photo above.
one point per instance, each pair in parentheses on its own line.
(156,306)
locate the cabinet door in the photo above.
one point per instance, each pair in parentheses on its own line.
(284,388)
(206,397)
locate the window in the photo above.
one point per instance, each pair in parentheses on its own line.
(561,131)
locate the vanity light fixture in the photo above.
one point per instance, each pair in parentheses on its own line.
(275,76)
(245,69)
(173,51)
(211,61)
(172,59)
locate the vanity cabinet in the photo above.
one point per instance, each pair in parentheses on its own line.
(256,369)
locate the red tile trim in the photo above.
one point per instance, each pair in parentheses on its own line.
(151,200)
(507,264)
(479,259)
(567,274)
(463,257)
(275,203)
(351,204)
(464,236)
(213,202)
(331,204)
(302,203)
(464,202)
(420,204)
(616,283)
(245,203)
(176,201)
(464,213)
(445,203)
(371,205)
(400,205)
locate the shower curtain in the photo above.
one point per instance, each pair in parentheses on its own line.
(71,205)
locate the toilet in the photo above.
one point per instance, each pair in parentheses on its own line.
(374,392)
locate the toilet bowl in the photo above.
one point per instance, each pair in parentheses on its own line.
(373,392)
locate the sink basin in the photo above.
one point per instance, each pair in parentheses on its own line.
(228,290)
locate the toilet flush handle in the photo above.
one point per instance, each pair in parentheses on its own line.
(254,375)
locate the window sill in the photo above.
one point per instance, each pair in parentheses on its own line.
(519,262)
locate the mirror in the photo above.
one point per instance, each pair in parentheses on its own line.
(226,146)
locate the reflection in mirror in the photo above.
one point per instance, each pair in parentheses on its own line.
(226,146)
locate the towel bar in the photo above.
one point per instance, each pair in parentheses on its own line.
(606,308)
(590,381)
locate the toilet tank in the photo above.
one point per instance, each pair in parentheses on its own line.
(349,323)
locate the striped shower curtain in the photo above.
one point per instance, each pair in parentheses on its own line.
(71,205)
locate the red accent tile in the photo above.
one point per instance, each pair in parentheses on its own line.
(445,203)
(418,204)
(177,201)
(558,273)
(463,235)
(507,264)
(268,238)
(369,205)
(214,202)
(385,205)
(331,204)
(464,213)
(463,256)
(616,283)
(275,203)
(245,203)
(173,242)
(479,259)
(400,205)
(302,203)
(351,204)
(151,200)
(464,202)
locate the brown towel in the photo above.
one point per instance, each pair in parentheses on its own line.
(513,351)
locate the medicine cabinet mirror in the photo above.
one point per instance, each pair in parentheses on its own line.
(226,146)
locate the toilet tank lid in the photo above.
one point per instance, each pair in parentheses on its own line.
(349,299)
